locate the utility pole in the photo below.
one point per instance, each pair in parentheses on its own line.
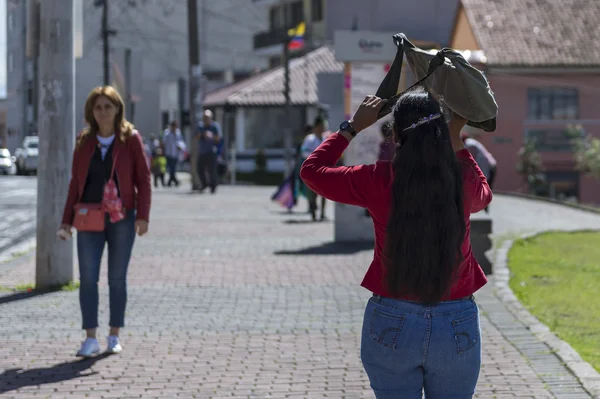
(287,138)
(128,102)
(195,75)
(56,127)
(105,33)
(105,43)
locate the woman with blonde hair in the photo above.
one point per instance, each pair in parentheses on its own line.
(108,203)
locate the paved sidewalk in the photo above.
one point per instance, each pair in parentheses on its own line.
(229,298)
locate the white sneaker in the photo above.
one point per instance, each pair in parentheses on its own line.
(89,348)
(113,345)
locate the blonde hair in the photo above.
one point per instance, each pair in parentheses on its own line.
(122,126)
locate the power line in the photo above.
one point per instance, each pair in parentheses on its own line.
(146,44)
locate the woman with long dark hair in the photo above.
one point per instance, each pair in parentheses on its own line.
(421,326)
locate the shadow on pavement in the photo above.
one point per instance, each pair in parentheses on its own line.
(330,248)
(303,221)
(13,379)
(18,296)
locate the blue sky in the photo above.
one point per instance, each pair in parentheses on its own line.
(2,49)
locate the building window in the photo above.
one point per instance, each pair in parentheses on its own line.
(274,62)
(294,13)
(317,10)
(561,185)
(551,140)
(10,22)
(275,18)
(553,103)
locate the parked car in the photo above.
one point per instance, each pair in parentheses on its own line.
(7,162)
(27,156)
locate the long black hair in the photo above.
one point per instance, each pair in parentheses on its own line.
(426,224)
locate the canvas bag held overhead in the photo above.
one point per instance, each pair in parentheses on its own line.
(464,88)
(91,217)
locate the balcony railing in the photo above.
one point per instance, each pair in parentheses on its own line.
(269,38)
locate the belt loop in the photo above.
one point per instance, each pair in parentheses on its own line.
(377,298)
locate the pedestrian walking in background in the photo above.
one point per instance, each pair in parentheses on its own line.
(287,192)
(108,203)
(387,147)
(310,143)
(421,326)
(159,168)
(173,147)
(485,160)
(208,137)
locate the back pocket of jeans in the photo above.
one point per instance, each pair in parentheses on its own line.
(466,332)
(385,328)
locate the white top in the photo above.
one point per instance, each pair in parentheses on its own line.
(105,142)
(173,143)
(310,143)
(482,156)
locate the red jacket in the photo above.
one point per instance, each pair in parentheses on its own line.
(131,169)
(368,186)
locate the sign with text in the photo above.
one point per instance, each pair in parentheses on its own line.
(364,80)
(364,46)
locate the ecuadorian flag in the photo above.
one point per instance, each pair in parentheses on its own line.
(297,37)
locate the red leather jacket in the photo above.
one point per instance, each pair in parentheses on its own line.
(131,169)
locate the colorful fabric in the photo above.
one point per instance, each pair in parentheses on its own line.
(111,202)
(285,194)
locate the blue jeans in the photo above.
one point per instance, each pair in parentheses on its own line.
(408,347)
(172,169)
(120,237)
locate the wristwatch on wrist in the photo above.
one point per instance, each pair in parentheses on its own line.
(346,126)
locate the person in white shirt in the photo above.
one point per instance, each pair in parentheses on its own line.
(173,146)
(485,160)
(310,143)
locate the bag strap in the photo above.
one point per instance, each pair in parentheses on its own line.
(112,172)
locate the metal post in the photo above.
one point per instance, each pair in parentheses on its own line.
(195,74)
(128,103)
(105,43)
(287,139)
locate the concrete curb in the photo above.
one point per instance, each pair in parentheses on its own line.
(550,200)
(583,371)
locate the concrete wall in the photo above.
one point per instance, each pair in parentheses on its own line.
(428,20)
(505,142)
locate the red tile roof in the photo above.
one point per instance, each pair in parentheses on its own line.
(537,33)
(267,88)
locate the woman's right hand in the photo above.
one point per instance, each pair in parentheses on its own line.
(64,232)
(366,114)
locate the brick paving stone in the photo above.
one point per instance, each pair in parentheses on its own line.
(232,298)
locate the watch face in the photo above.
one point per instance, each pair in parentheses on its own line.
(345,125)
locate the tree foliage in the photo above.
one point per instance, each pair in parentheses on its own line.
(586,151)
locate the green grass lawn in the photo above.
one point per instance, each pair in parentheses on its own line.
(557,278)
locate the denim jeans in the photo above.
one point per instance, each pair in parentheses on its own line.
(172,170)
(207,163)
(120,237)
(408,347)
